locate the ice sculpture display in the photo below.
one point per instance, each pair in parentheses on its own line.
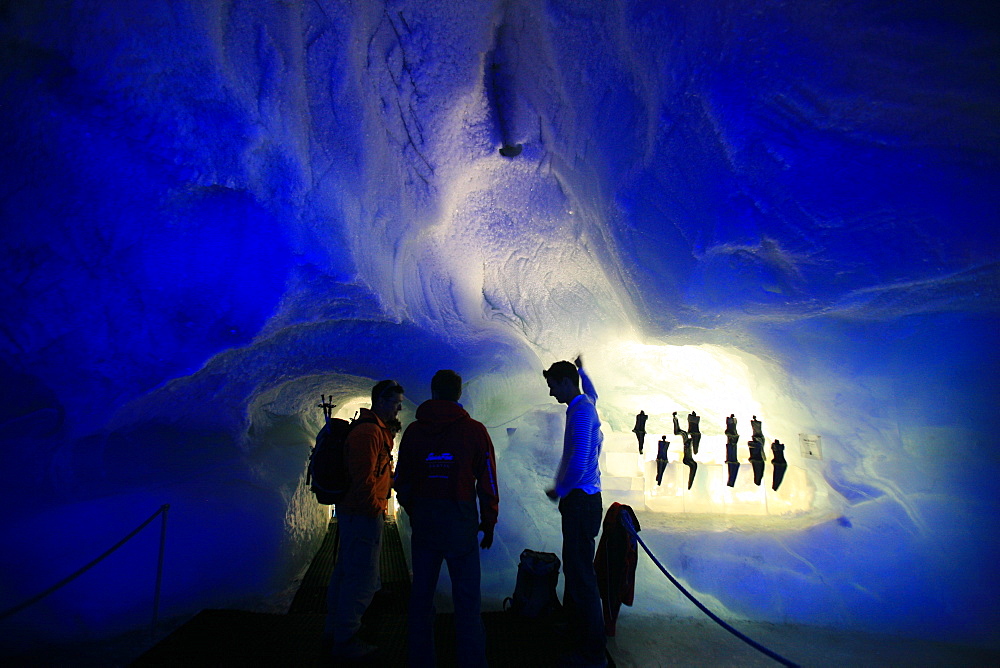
(215,212)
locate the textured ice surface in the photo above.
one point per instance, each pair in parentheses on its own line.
(214,211)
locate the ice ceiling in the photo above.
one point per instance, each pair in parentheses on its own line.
(213,211)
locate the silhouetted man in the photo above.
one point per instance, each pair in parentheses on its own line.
(360,518)
(578,488)
(446,462)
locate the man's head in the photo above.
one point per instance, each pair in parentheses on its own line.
(387,400)
(447,385)
(563,380)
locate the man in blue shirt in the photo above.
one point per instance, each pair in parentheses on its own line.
(578,489)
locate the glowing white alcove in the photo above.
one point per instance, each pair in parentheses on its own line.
(714,381)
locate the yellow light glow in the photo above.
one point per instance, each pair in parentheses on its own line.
(348,410)
(715,382)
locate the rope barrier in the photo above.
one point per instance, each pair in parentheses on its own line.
(627,523)
(65,581)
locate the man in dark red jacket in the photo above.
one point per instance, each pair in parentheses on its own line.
(446,461)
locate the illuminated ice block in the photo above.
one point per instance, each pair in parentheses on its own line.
(627,490)
(620,455)
(797,493)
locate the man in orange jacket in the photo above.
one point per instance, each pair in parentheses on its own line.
(360,517)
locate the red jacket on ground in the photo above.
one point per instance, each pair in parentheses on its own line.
(615,562)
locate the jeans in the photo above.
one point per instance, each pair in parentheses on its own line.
(581,521)
(445,538)
(355,577)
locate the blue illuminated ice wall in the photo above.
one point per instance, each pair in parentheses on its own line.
(213,211)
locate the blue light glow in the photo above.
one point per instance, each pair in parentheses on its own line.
(214,211)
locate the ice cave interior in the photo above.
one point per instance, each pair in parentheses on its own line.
(214,211)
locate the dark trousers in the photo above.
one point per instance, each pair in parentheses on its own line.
(355,578)
(461,551)
(581,521)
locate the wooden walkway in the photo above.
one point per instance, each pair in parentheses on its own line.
(241,638)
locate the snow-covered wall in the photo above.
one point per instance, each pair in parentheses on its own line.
(213,211)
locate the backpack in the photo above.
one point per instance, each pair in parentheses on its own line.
(535,590)
(327,476)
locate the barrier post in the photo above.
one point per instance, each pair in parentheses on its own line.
(159,571)
(66,580)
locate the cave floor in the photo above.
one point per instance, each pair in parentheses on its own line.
(246,638)
(243,638)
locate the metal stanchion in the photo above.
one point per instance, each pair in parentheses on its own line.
(159,571)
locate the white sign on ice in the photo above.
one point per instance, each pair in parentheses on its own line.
(811,445)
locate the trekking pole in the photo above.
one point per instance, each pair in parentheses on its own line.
(327,406)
